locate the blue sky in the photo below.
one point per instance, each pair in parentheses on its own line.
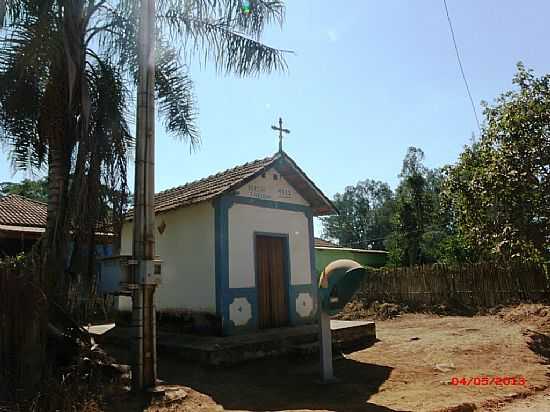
(367,80)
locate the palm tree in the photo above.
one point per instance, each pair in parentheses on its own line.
(67,71)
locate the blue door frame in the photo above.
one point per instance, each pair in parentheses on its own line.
(225,295)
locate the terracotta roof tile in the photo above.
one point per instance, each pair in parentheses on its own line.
(17,210)
(220,183)
(209,187)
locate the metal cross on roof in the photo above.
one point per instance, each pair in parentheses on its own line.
(281,131)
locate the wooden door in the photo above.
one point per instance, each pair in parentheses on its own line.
(272,287)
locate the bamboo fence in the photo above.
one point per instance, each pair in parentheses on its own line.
(484,284)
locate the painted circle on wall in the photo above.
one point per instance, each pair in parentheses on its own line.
(304,305)
(240,311)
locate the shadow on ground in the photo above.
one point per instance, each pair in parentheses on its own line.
(282,384)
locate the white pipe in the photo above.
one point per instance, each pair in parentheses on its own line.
(325,341)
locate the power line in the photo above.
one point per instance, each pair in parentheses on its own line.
(460,65)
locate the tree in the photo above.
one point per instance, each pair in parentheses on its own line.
(422,229)
(411,210)
(500,186)
(67,70)
(33,189)
(441,242)
(63,106)
(364,215)
(416,224)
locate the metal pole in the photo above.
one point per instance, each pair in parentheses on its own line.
(137,347)
(325,339)
(144,367)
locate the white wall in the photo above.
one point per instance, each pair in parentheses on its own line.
(244,220)
(187,249)
(269,188)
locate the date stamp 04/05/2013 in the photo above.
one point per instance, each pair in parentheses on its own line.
(488,380)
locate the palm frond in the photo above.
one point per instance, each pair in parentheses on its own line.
(102,157)
(120,39)
(109,99)
(219,41)
(219,31)
(24,63)
(12,11)
(174,91)
(260,14)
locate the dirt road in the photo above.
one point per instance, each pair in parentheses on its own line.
(411,368)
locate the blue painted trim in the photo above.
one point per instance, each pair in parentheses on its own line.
(217,254)
(225,295)
(221,230)
(269,204)
(286,268)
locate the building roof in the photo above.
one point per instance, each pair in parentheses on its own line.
(16,210)
(19,214)
(349,249)
(229,180)
(324,243)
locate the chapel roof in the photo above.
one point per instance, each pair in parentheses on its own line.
(229,180)
(20,211)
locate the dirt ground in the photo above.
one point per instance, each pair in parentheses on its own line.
(410,368)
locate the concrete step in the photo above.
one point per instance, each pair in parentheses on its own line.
(305,350)
(299,341)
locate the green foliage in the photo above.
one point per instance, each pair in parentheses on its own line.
(414,224)
(364,218)
(68,75)
(494,203)
(500,187)
(420,224)
(33,189)
(89,46)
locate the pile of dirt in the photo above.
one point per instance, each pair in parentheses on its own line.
(451,307)
(530,315)
(535,321)
(357,310)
